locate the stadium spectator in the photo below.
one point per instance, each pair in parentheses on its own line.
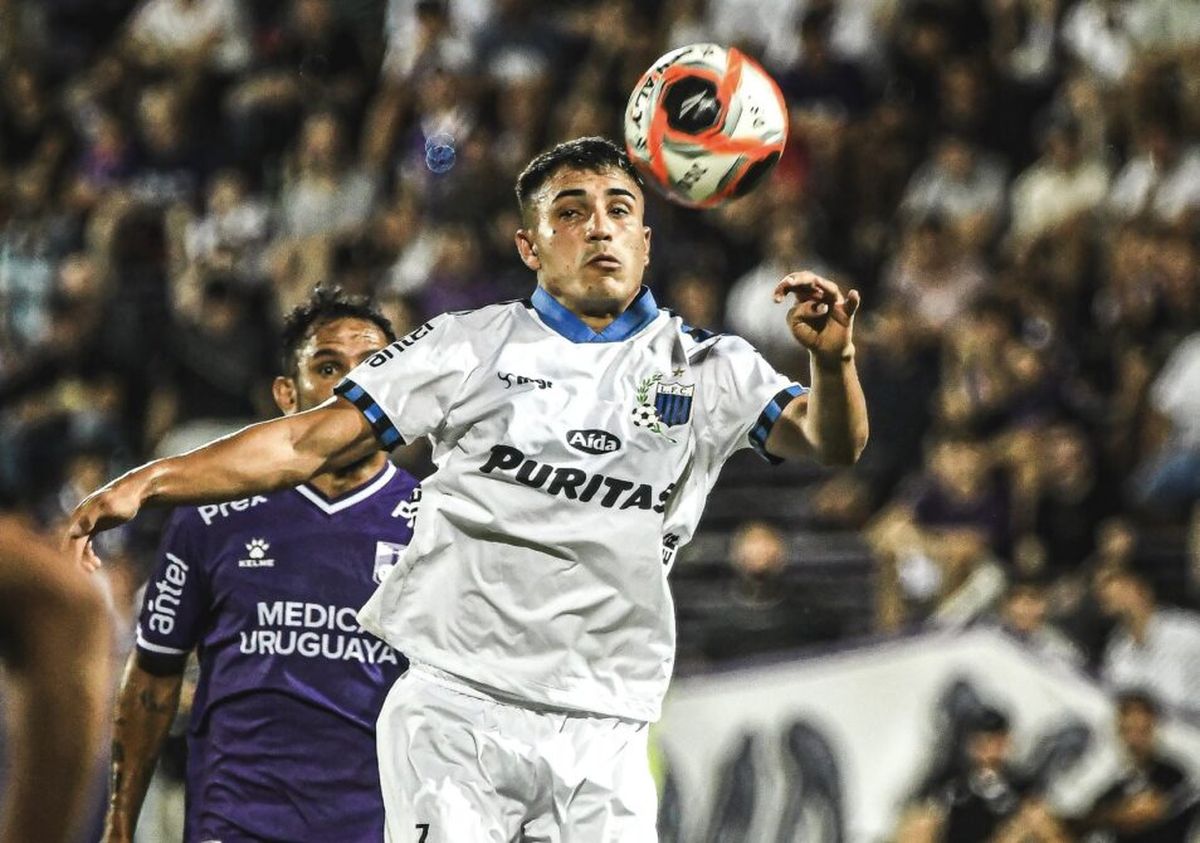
(821,80)
(189,36)
(324,192)
(1023,617)
(697,298)
(1023,40)
(311,58)
(1163,179)
(899,376)
(1153,648)
(216,368)
(962,185)
(1097,34)
(170,163)
(1058,188)
(764,610)
(934,275)
(1152,801)
(937,541)
(232,234)
(1068,498)
(1170,478)
(986,800)
(786,245)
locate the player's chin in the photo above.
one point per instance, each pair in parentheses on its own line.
(609,282)
(605,295)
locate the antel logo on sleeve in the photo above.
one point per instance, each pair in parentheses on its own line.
(593,441)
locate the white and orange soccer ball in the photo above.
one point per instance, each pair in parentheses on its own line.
(705,124)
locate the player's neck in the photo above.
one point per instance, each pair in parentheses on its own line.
(597,323)
(596,317)
(334,484)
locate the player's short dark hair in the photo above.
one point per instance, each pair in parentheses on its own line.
(593,154)
(325,305)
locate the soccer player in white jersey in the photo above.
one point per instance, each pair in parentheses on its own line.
(576,435)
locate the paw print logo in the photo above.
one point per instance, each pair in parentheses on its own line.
(257,548)
(644,415)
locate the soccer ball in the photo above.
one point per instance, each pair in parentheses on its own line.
(705,125)
(644,415)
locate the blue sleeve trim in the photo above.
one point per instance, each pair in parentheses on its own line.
(766,420)
(384,430)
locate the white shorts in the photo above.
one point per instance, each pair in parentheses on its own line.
(459,766)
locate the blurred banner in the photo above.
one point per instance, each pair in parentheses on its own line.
(828,749)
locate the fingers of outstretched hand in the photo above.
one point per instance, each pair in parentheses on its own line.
(807,309)
(807,285)
(81,552)
(853,300)
(88,558)
(78,538)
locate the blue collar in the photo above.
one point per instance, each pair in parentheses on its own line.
(640,313)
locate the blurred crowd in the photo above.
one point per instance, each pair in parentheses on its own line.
(1014,186)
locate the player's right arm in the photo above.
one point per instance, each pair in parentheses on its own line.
(176,612)
(263,457)
(146,708)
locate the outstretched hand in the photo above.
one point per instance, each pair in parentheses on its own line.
(107,507)
(822,319)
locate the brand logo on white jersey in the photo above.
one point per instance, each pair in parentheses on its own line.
(387,554)
(520,380)
(399,346)
(593,441)
(670,546)
(256,551)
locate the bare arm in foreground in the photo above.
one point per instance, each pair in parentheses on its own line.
(57,633)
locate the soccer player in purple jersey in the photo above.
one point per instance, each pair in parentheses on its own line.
(281,744)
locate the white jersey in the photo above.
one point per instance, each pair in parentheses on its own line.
(571,467)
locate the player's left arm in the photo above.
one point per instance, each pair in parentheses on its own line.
(829,422)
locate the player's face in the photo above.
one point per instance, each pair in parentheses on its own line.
(326,356)
(587,240)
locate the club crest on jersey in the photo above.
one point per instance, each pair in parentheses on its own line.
(673,403)
(387,554)
(662,404)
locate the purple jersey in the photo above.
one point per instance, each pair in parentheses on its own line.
(281,744)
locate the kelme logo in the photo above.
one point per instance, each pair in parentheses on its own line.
(593,441)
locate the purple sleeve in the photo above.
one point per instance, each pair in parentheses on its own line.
(173,609)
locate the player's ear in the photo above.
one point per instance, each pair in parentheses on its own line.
(646,232)
(284,391)
(527,249)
